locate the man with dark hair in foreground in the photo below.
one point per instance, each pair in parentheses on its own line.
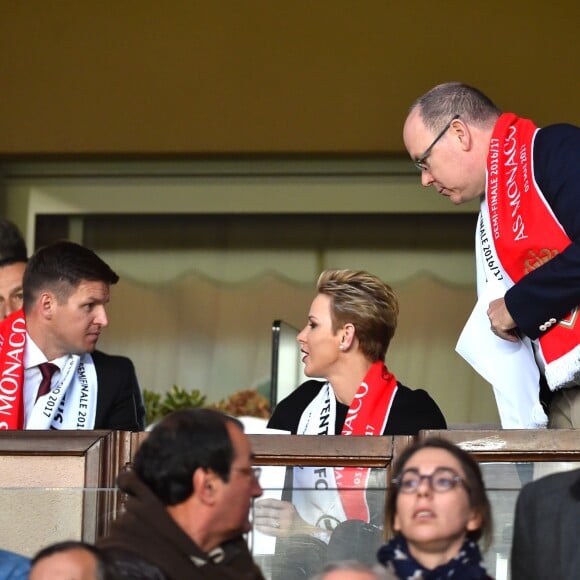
(189,496)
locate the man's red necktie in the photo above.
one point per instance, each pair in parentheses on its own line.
(47,369)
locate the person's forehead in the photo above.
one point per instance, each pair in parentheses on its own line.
(349,575)
(415,133)
(11,274)
(430,458)
(75,564)
(94,288)
(240,441)
(320,305)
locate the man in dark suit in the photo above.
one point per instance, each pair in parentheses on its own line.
(51,376)
(526,180)
(547,523)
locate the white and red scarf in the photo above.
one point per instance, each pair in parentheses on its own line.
(316,497)
(71,404)
(525,234)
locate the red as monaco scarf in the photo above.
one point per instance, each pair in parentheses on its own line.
(367,415)
(526,234)
(12,340)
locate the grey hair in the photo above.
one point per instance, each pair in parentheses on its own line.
(378,572)
(438,105)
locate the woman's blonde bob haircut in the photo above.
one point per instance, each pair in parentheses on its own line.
(366,302)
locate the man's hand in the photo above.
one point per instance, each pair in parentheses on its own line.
(502,324)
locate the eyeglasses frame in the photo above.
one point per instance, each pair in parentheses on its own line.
(457,480)
(420,161)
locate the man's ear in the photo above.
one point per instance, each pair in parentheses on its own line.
(46,302)
(460,131)
(205,484)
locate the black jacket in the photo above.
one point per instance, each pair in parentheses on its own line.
(412,411)
(119,401)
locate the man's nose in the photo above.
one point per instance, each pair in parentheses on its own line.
(426,178)
(101,316)
(257,491)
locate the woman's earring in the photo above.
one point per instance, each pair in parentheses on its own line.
(341,346)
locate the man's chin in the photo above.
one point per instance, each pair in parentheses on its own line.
(455,198)
(91,345)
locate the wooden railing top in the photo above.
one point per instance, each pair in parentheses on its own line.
(49,442)
(515,444)
(333,450)
(486,445)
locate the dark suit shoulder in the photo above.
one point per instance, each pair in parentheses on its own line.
(119,399)
(559,484)
(102,357)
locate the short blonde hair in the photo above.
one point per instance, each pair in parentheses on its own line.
(366,302)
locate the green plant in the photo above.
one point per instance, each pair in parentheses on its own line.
(157,405)
(248,403)
(152,402)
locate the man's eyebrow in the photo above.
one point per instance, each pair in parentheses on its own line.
(97,299)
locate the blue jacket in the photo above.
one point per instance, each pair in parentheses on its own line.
(13,566)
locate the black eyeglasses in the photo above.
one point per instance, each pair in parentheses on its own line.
(441,480)
(420,161)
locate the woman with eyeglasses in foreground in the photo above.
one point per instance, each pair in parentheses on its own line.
(438,511)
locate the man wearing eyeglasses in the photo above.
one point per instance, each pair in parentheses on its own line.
(525,331)
(189,496)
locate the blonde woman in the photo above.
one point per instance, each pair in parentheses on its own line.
(350,325)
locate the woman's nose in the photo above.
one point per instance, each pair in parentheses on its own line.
(301,338)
